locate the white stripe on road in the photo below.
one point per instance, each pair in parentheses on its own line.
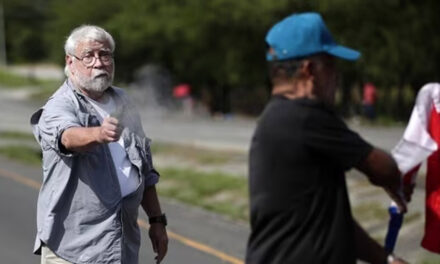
(184,240)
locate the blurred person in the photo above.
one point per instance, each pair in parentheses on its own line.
(97,164)
(299,206)
(420,142)
(182,93)
(369,101)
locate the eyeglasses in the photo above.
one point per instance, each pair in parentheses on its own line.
(90,59)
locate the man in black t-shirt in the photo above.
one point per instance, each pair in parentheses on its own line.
(300,212)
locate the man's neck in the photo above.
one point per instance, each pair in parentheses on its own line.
(97,96)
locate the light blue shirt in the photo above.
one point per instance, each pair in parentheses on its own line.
(81,214)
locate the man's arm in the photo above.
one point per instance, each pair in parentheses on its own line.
(381,170)
(157,232)
(79,139)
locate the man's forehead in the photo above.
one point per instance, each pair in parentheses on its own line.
(92,45)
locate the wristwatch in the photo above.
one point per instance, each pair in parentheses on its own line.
(158,219)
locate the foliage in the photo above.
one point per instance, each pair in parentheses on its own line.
(24,29)
(218,45)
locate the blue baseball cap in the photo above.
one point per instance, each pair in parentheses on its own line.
(301,35)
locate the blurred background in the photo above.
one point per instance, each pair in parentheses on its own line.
(197,72)
(217,47)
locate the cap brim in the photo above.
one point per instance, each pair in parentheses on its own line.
(343,52)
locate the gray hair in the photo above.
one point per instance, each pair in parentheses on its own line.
(86,32)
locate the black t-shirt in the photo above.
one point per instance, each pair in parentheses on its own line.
(300,212)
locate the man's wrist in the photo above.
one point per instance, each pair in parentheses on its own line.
(162,219)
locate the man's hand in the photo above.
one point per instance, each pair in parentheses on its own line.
(398,197)
(408,190)
(159,240)
(109,131)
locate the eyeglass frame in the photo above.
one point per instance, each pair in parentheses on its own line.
(94,58)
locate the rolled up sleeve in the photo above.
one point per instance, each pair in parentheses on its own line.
(57,116)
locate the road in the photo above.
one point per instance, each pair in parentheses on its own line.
(195,236)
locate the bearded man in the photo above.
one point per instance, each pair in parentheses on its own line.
(97,164)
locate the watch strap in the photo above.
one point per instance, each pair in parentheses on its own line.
(158,219)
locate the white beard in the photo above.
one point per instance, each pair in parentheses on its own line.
(99,82)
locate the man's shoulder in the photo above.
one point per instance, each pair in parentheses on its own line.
(62,97)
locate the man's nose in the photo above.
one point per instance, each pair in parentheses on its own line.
(98,63)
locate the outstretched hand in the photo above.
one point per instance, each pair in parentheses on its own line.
(109,131)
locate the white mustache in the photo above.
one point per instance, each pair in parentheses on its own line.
(99,74)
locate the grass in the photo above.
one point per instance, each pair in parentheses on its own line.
(201,156)
(44,87)
(16,135)
(11,80)
(372,211)
(411,217)
(218,192)
(22,153)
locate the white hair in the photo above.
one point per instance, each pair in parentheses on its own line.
(86,32)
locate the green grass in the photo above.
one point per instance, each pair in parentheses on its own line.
(16,135)
(43,87)
(370,211)
(411,217)
(12,80)
(201,156)
(218,192)
(22,153)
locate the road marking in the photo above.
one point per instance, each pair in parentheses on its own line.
(19,178)
(184,240)
(196,245)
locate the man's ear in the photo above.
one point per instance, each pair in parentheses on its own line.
(306,71)
(69,61)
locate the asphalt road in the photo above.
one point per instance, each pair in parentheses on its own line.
(195,235)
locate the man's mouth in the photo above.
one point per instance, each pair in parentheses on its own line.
(101,75)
